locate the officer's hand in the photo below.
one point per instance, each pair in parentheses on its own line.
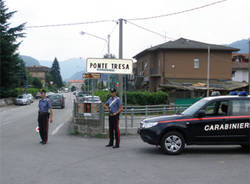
(51,120)
(112,114)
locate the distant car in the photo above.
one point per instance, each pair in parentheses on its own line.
(48,94)
(57,100)
(31,98)
(38,95)
(92,99)
(80,96)
(23,100)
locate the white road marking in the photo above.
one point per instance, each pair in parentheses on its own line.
(57,129)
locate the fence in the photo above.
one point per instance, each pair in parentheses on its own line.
(129,118)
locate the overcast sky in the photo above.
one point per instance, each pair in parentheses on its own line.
(221,23)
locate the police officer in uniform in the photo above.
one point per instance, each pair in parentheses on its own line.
(114,107)
(45,114)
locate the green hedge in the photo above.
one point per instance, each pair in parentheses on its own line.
(5,93)
(147,98)
(33,91)
(104,95)
(138,97)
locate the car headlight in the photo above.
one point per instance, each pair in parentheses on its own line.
(149,124)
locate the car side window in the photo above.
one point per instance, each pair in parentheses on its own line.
(223,110)
(218,108)
(240,107)
(210,109)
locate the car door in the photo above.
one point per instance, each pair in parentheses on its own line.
(207,129)
(239,121)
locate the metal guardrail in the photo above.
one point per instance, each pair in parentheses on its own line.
(135,114)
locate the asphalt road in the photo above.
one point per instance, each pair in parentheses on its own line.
(70,159)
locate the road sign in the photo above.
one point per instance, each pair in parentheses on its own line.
(91,76)
(115,66)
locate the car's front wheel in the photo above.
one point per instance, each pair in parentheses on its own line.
(172,143)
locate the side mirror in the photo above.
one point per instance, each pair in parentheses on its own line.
(201,114)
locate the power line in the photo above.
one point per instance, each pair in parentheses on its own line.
(113,29)
(132,19)
(146,29)
(180,12)
(71,24)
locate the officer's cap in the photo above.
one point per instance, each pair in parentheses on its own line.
(112,90)
(43,91)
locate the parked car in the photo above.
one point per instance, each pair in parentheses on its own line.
(48,94)
(31,98)
(92,99)
(57,100)
(38,95)
(23,100)
(216,120)
(80,96)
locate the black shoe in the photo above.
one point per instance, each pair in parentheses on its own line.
(42,142)
(116,146)
(109,145)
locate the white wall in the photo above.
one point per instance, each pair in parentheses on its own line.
(240,75)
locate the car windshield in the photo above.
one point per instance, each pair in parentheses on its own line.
(93,98)
(20,96)
(195,107)
(53,97)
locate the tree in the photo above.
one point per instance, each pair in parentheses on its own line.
(56,75)
(37,83)
(10,64)
(48,79)
(109,56)
(73,88)
(112,78)
(22,74)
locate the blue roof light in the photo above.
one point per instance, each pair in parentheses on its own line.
(233,93)
(243,93)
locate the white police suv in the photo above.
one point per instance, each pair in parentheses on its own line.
(217,120)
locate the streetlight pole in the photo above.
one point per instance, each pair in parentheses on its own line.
(98,37)
(108,49)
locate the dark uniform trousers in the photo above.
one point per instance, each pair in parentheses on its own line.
(114,127)
(43,119)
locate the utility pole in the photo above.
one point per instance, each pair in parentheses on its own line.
(121,76)
(208,69)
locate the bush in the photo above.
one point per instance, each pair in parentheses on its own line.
(147,98)
(104,95)
(5,93)
(138,97)
(33,91)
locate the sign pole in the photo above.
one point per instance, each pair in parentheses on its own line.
(120,57)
